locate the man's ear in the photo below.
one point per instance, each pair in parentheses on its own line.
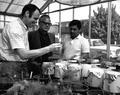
(27,14)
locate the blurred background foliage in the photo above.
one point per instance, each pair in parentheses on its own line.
(99,22)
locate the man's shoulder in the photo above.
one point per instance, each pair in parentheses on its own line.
(32,35)
(12,23)
(80,37)
(83,39)
(33,32)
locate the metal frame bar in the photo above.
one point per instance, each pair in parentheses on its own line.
(9,6)
(79,6)
(46,5)
(12,3)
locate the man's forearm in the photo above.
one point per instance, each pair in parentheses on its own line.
(26,54)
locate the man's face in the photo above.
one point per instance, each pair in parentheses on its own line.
(45,24)
(33,19)
(74,31)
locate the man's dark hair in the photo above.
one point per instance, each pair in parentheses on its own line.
(31,8)
(75,22)
(44,16)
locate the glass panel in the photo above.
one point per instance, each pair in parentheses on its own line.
(117,5)
(54,6)
(46,10)
(95,7)
(1,21)
(77,2)
(3,6)
(65,6)
(99,22)
(116,25)
(15,9)
(21,2)
(5,0)
(81,13)
(39,3)
(54,17)
(66,15)
(1,25)
(1,18)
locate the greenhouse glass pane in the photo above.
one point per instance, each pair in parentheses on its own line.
(15,9)
(54,6)
(65,6)
(1,25)
(21,2)
(81,13)
(66,15)
(54,17)
(46,10)
(1,18)
(3,6)
(38,3)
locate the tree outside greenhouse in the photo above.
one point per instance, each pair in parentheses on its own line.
(99,25)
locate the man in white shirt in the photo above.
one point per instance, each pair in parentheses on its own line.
(77,47)
(15,45)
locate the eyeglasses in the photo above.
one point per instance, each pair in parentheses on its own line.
(47,23)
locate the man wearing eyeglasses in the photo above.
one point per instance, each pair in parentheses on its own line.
(41,38)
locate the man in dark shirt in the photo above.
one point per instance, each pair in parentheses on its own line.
(39,39)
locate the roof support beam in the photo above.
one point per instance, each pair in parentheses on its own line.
(9,5)
(9,14)
(12,3)
(45,5)
(79,6)
(30,1)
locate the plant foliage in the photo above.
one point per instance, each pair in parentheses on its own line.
(99,24)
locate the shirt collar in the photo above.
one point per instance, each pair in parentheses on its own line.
(72,41)
(21,23)
(77,37)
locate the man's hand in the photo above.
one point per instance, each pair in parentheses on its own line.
(55,46)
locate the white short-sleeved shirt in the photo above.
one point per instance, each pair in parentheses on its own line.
(14,35)
(76,47)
